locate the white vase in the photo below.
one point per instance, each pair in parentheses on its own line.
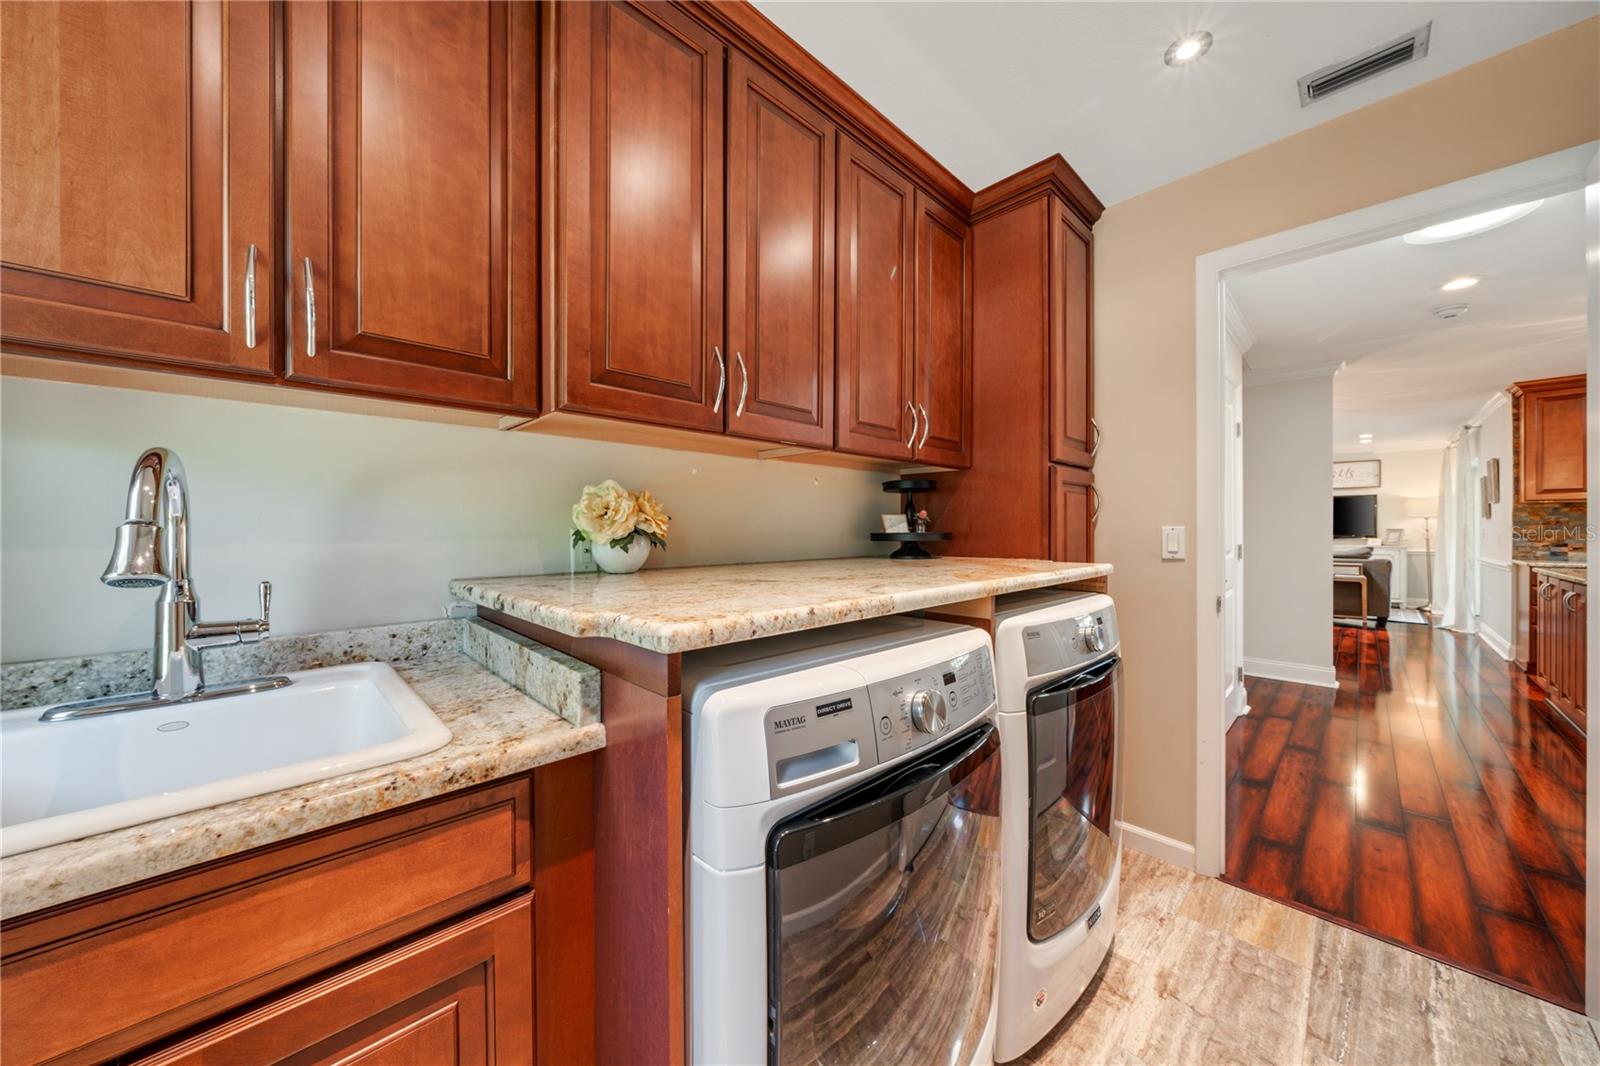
(621,560)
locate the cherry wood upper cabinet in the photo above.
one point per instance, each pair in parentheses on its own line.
(1072,428)
(410,175)
(1550,440)
(943,335)
(780,261)
(877,268)
(634,214)
(136,206)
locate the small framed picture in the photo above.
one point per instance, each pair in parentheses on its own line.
(1494,481)
(894,523)
(1393,537)
(1483,489)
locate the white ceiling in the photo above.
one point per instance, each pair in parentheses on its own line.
(1412,379)
(990,88)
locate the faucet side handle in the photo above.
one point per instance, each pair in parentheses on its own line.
(264,596)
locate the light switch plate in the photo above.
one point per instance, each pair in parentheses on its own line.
(1172,542)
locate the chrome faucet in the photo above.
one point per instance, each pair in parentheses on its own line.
(152,550)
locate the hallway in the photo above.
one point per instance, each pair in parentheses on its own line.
(1426,801)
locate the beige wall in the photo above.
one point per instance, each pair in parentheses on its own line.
(1539,98)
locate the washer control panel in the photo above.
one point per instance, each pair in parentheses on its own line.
(1065,644)
(918,708)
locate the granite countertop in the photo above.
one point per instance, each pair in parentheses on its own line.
(681,609)
(496,731)
(1578,572)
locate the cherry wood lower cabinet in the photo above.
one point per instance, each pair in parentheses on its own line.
(137,214)
(407,932)
(463,994)
(1560,648)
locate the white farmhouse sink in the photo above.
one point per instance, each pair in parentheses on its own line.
(64,780)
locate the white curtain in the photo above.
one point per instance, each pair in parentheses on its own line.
(1455,569)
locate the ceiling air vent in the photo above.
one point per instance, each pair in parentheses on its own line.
(1368,64)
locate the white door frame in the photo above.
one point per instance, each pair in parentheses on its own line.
(1529,180)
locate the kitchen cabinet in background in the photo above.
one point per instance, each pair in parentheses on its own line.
(1560,627)
(130,235)
(1550,440)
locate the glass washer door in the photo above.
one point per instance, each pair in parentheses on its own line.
(1073,834)
(883,917)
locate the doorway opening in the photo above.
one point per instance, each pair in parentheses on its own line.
(1376,750)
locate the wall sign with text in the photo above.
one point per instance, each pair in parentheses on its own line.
(1358,474)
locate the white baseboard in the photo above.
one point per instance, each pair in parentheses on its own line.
(1497,644)
(1299,673)
(1157,846)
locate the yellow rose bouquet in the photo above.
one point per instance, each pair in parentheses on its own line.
(613,520)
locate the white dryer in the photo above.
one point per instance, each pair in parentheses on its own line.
(1058,667)
(844,838)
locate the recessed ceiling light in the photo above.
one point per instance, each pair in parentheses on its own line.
(1472,224)
(1188,48)
(1365,438)
(1457,284)
(1450,311)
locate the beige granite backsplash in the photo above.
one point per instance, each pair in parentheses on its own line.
(566,685)
(48,681)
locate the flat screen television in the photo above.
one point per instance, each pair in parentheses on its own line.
(1355,516)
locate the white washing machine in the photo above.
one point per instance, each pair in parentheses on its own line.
(1058,667)
(844,839)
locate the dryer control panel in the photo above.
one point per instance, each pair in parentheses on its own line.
(918,708)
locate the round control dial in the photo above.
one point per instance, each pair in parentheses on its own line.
(1093,634)
(928,711)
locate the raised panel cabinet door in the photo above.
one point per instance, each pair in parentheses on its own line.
(410,176)
(136,197)
(1072,428)
(1074,509)
(461,995)
(634,219)
(1551,451)
(780,261)
(877,306)
(943,335)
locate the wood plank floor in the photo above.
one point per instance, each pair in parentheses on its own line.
(1427,801)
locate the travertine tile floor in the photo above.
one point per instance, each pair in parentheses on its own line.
(1202,972)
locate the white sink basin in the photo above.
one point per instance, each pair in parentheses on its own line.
(64,780)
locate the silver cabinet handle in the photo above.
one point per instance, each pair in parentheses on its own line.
(311,312)
(926,425)
(911,440)
(1566,601)
(250,298)
(722,378)
(1094,446)
(1547,592)
(744,385)
(1094,515)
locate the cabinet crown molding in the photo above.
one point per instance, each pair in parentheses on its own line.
(1052,174)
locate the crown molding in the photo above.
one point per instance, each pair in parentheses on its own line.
(1047,175)
(1297,372)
